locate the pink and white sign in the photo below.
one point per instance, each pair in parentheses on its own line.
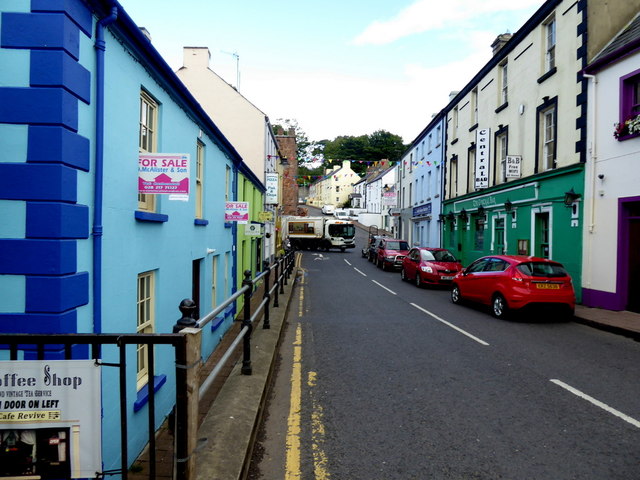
(163,173)
(236,212)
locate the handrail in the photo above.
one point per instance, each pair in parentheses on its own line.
(282,274)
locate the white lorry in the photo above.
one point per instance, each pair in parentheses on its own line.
(314,233)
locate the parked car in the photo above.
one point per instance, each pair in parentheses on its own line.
(390,253)
(328,209)
(341,215)
(430,266)
(509,283)
(369,250)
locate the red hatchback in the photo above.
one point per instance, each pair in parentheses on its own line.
(513,282)
(433,266)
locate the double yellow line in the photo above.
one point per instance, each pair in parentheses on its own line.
(294,422)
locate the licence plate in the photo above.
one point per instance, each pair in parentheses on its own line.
(446,278)
(548,286)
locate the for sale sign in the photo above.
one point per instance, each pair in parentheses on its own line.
(50,414)
(163,173)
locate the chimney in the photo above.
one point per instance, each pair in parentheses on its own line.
(500,41)
(452,95)
(196,57)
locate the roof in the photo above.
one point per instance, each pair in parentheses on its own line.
(623,44)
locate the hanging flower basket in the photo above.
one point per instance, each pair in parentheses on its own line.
(627,128)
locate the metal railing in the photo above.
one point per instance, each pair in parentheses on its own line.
(283,268)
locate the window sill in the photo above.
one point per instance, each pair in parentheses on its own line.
(150,217)
(628,137)
(547,75)
(454,141)
(143,395)
(200,222)
(502,107)
(473,127)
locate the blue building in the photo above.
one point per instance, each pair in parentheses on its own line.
(420,183)
(83,93)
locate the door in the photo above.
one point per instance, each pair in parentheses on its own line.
(498,235)
(541,248)
(633,287)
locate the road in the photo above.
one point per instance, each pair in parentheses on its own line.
(381,380)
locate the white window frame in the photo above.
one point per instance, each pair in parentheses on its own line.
(504,82)
(547,138)
(199,179)
(147,141)
(145,322)
(550,44)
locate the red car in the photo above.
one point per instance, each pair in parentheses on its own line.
(432,266)
(513,282)
(390,253)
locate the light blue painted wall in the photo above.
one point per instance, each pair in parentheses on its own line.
(131,247)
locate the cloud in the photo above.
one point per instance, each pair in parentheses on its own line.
(425,15)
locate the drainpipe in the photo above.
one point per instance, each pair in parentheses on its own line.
(100,47)
(593,157)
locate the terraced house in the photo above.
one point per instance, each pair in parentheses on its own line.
(516,140)
(91,116)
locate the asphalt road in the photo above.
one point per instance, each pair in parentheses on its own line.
(396,382)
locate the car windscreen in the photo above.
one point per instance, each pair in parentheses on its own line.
(344,230)
(397,245)
(542,269)
(444,256)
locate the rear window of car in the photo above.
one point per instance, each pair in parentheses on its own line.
(542,269)
(444,256)
(397,245)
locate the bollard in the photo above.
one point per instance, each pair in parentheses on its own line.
(285,268)
(266,325)
(246,322)
(276,284)
(187,308)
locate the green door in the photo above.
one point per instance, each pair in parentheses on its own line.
(542,235)
(498,235)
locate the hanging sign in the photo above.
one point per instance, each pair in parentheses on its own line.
(163,173)
(236,212)
(513,166)
(253,229)
(50,414)
(483,155)
(271,193)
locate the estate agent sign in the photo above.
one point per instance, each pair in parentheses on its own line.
(163,173)
(50,414)
(483,155)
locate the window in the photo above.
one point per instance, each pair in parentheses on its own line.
(147,142)
(199,179)
(547,141)
(474,106)
(501,157)
(454,123)
(504,83)
(454,176)
(214,281)
(471,175)
(629,101)
(227,184)
(479,233)
(146,319)
(550,44)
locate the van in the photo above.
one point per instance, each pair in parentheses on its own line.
(328,209)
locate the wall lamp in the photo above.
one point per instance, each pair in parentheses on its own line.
(570,197)
(508,205)
(450,216)
(463,214)
(481,211)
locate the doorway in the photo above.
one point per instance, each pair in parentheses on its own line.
(498,235)
(631,223)
(541,247)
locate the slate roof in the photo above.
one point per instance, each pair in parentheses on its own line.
(623,43)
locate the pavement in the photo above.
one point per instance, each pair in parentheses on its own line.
(232,412)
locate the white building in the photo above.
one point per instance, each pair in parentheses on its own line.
(611,258)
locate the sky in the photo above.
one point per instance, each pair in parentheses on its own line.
(337,67)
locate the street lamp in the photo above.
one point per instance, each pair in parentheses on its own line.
(508,205)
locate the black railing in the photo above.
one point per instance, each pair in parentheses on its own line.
(283,268)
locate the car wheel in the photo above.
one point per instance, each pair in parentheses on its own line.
(379,263)
(384,265)
(455,295)
(342,249)
(418,280)
(370,257)
(499,306)
(403,275)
